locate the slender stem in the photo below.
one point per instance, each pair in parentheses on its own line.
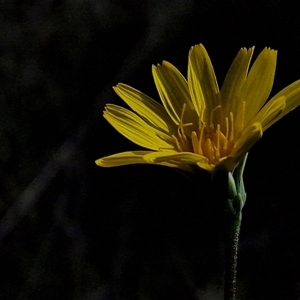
(229,189)
(231,256)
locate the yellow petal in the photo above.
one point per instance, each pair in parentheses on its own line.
(173,91)
(151,111)
(271,112)
(292,95)
(281,104)
(184,158)
(234,80)
(136,130)
(258,84)
(127,158)
(249,137)
(202,82)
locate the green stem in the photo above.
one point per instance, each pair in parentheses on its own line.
(231,256)
(229,191)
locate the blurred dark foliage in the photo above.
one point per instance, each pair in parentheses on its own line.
(71,230)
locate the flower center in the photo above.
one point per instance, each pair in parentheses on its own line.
(210,140)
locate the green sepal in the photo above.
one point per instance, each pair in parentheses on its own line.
(236,189)
(238,178)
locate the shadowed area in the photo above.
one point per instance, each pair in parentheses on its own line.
(72,230)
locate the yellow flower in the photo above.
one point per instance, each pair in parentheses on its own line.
(198,124)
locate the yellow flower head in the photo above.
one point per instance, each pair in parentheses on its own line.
(199,124)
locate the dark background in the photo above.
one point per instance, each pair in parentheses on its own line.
(71,230)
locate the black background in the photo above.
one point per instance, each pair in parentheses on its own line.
(72,230)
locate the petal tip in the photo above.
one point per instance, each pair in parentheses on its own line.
(99,162)
(154,67)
